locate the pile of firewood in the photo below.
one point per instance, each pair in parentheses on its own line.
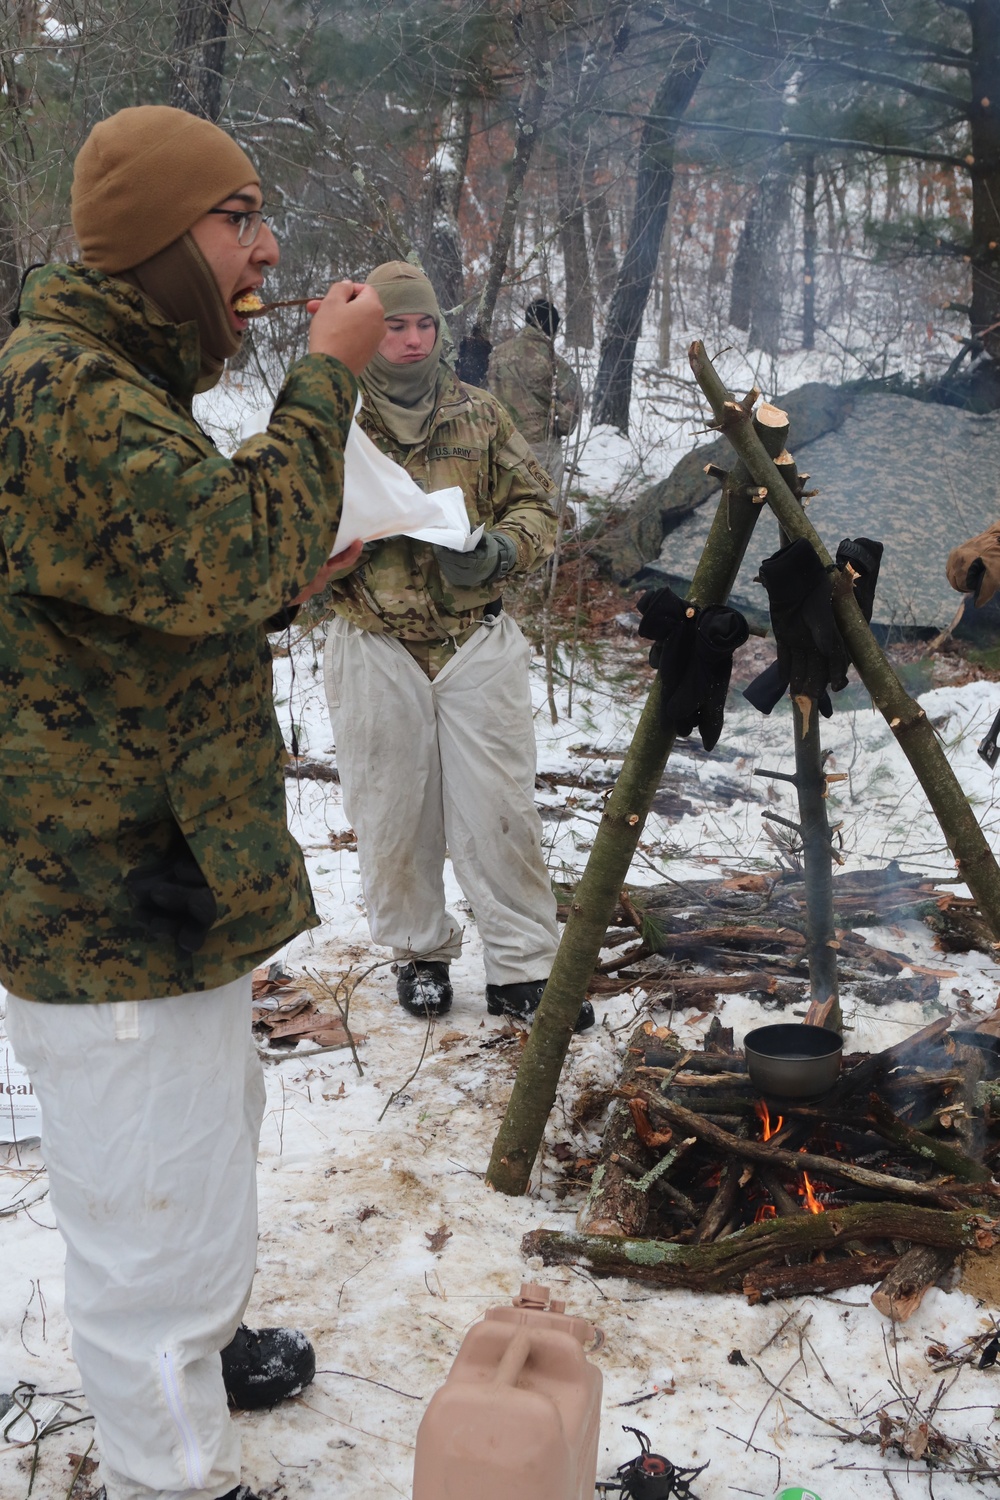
(703,1183)
(750,934)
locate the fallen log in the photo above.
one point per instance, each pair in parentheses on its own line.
(299,768)
(614,1204)
(722,1265)
(767,1282)
(799,1161)
(903,1290)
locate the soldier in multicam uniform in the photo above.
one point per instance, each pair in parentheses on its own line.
(427,681)
(144,856)
(538,388)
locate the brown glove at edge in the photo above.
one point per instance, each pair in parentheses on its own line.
(963,573)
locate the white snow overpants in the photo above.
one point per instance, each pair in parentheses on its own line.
(151,1116)
(445,766)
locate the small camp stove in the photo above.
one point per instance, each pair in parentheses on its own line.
(651,1476)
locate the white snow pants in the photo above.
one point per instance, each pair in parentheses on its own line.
(429,768)
(151,1116)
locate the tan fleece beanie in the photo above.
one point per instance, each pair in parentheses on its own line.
(144,176)
(403,288)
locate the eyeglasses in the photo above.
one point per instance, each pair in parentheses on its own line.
(247,221)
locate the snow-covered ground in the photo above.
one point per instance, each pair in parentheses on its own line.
(357,1173)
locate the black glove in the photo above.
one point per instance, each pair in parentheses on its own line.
(811,654)
(693,653)
(173,899)
(865,557)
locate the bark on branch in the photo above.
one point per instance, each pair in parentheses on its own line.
(722,1265)
(596,896)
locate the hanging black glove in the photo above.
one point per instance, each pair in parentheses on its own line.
(811,653)
(173,899)
(693,653)
(865,557)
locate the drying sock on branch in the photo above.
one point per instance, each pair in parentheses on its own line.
(811,654)
(692,652)
(720,630)
(865,557)
(671,624)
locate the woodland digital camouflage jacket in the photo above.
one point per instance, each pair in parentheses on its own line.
(137,569)
(538,388)
(399,588)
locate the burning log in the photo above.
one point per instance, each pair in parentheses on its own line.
(871,1070)
(902,1291)
(722,1265)
(925,1146)
(805,1161)
(767,1282)
(721,1206)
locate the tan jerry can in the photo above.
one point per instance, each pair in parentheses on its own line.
(519,1416)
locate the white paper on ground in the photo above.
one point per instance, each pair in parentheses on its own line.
(19,1426)
(20,1112)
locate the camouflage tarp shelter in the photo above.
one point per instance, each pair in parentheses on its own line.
(916,476)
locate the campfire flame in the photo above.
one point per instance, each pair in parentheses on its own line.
(811,1201)
(766,1211)
(764,1116)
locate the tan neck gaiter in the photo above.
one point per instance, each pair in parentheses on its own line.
(181,285)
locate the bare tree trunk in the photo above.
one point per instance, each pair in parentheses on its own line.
(444,248)
(199,56)
(654,183)
(665,308)
(755,298)
(601,239)
(985,171)
(809,257)
(10,271)
(721,238)
(537,84)
(578,322)
(15,153)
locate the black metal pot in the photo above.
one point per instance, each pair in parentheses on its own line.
(793,1062)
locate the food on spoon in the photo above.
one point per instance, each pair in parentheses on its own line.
(247,302)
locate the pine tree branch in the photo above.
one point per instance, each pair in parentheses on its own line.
(788,25)
(896,81)
(795,138)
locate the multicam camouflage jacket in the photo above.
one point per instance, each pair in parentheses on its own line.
(538,388)
(137,569)
(399,588)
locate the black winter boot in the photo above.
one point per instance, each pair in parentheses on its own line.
(520,1001)
(264,1366)
(423,989)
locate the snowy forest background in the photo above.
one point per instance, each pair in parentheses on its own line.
(820,177)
